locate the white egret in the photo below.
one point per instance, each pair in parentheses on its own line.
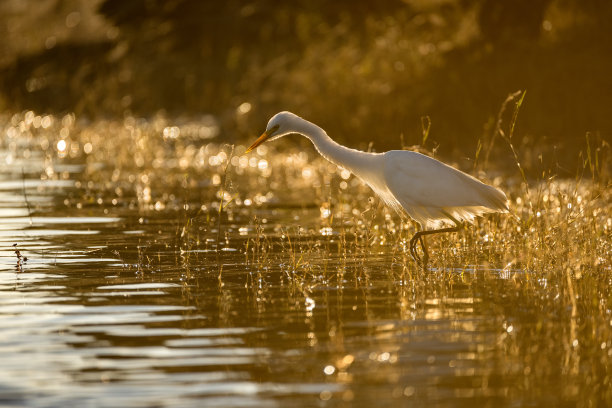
(430,192)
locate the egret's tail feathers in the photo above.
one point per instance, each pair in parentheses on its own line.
(494,199)
(434,217)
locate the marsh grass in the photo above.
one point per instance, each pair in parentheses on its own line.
(549,216)
(288,222)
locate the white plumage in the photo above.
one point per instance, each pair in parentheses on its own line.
(429,191)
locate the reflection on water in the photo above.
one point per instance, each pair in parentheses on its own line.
(134,293)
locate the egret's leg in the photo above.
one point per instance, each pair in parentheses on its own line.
(413,247)
(418,237)
(413,243)
(413,251)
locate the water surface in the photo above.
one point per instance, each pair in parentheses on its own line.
(138,291)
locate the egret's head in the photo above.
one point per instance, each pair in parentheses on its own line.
(279,125)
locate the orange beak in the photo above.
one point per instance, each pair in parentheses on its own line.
(259,141)
(262,138)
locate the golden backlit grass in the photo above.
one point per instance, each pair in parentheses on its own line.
(295,222)
(554,224)
(156,165)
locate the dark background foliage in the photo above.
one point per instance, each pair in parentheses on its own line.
(366,71)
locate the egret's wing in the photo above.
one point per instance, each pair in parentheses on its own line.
(428,190)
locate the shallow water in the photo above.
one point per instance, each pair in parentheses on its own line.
(143,297)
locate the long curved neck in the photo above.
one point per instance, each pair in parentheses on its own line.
(350,159)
